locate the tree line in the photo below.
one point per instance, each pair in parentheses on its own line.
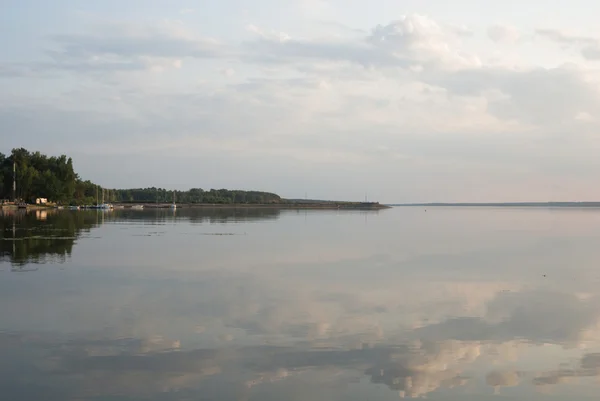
(194,195)
(37,175)
(54,178)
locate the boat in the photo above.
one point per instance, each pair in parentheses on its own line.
(73,207)
(103,205)
(137,207)
(173,205)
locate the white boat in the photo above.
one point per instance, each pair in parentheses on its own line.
(103,205)
(137,207)
(173,205)
(73,207)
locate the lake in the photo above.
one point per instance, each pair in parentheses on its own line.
(265,304)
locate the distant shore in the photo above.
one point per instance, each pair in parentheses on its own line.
(325,206)
(291,206)
(506,204)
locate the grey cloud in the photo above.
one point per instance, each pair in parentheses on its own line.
(64,63)
(118,47)
(535,316)
(48,125)
(503,378)
(591,45)
(561,37)
(589,366)
(591,361)
(21,70)
(110,367)
(537,96)
(158,45)
(271,51)
(591,52)
(121,366)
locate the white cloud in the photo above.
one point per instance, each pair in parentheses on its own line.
(584,117)
(503,33)
(268,35)
(228,72)
(420,38)
(461,30)
(407,41)
(314,96)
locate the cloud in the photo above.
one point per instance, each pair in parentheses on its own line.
(538,317)
(503,378)
(108,366)
(591,52)
(420,38)
(590,46)
(589,366)
(503,33)
(564,38)
(532,96)
(310,97)
(401,43)
(228,72)
(425,51)
(128,46)
(277,49)
(461,30)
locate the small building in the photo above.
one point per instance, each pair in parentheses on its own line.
(41,201)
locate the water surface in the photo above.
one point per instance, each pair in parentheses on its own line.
(448,304)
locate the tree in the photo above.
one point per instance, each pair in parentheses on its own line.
(55,178)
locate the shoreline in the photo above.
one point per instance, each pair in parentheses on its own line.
(584,204)
(291,206)
(282,206)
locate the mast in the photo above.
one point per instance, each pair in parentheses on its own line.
(14,180)
(96,195)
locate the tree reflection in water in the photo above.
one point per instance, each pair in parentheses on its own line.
(41,236)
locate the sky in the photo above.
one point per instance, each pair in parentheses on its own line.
(399,101)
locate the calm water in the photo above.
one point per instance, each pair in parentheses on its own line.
(448,304)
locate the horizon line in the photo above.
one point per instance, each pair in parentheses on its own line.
(495,203)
